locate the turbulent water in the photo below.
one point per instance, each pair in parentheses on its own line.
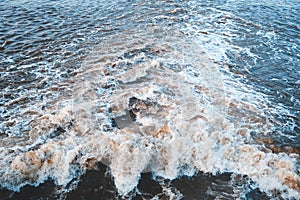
(179,99)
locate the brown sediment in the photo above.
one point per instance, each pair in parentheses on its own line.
(10,123)
(271,144)
(198,117)
(243,132)
(247,148)
(230,153)
(292,182)
(275,149)
(264,140)
(31,112)
(115,108)
(201,89)
(91,163)
(259,156)
(45,117)
(27,164)
(159,49)
(114,145)
(248,112)
(292,149)
(284,149)
(164,130)
(105,72)
(224,140)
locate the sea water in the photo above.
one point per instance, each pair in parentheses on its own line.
(149,99)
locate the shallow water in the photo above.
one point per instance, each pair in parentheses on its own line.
(149,99)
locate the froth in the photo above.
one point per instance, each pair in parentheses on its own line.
(153,104)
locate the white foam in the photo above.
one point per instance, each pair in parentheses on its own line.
(188,116)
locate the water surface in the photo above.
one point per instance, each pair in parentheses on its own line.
(149,99)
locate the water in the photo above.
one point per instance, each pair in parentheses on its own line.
(149,99)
